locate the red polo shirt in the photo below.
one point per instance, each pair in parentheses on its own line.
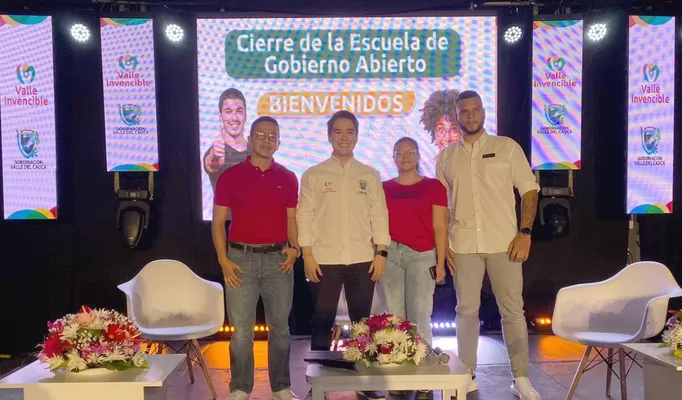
(258,201)
(410,211)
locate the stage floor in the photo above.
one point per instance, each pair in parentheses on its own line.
(553,364)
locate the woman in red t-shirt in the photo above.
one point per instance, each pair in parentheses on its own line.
(418,222)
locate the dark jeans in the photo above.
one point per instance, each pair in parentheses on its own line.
(261,278)
(355,278)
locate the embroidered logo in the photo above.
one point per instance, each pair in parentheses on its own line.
(328,187)
(363,185)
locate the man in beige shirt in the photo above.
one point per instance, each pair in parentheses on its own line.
(342,223)
(480,173)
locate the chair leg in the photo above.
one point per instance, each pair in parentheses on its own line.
(189,364)
(579,372)
(623,374)
(609,372)
(204,367)
(336,336)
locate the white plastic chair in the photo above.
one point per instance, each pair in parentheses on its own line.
(343,319)
(170,303)
(626,308)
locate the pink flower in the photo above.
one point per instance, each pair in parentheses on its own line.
(364,341)
(379,322)
(57,325)
(405,326)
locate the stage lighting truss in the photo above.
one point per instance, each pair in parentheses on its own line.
(80,32)
(513,34)
(596,32)
(174,33)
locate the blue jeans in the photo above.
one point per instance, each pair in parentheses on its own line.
(261,278)
(408,286)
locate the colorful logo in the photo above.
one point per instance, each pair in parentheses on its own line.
(651,72)
(26,73)
(556,64)
(555,114)
(28,141)
(363,185)
(127,62)
(130,114)
(651,138)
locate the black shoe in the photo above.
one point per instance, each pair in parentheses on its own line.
(372,395)
(424,395)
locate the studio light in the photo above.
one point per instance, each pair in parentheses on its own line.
(80,32)
(513,34)
(132,215)
(597,32)
(555,216)
(174,33)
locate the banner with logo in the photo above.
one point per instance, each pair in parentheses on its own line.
(651,114)
(129,94)
(27,117)
(557,94)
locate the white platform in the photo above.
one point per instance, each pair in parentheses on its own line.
(453,379)
(662,371)
(38,383)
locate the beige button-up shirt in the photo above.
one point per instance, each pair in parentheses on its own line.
(480,179)
(342,212)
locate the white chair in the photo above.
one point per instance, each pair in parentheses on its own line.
(626,308)
(170,303)
(343,319)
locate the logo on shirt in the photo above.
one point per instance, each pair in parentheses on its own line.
(363,186)
(328,187)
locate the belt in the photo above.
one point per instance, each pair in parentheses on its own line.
(264,248)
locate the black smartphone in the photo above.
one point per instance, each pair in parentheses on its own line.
(432,270)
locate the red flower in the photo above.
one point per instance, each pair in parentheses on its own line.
(387,349)
(114,332)
(53,346)
(85,309)
(378,322)
(405,326)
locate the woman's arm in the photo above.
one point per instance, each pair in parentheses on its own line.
(440,228)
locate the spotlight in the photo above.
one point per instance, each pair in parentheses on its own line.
(555,216)
(174,33)
(513,34)
(541,324)
(80,32)
(596,32)
(345,327)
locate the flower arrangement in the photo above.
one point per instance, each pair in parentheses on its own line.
(93,339)
(672,336)
(385,339)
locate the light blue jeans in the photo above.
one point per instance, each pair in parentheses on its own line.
(408,286)
(261,278)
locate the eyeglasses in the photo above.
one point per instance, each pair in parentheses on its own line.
(273,137)
(411,153)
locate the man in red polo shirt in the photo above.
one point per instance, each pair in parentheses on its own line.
(262,196)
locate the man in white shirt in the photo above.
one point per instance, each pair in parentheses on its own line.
(480,173)
(342,223)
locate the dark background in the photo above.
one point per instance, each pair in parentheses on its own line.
(49,268)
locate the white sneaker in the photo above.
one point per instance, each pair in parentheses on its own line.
(522,389)
(284,394)
(473,385)
(239,395)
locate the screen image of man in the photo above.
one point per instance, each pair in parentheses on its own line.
(230,147)
(342,220)
(439,117)
(480,174)
(258,259)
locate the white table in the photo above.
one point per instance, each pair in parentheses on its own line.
(38,383)
(662,371)
(453,379)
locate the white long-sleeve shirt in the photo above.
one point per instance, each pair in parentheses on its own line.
(480,179)
(342,212)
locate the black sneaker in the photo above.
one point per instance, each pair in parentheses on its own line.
(372,395)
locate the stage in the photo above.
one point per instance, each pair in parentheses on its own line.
(553,364)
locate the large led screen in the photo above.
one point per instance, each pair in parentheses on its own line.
(651,117)
(27,117)
(400,76)
(557,94)
(129,94)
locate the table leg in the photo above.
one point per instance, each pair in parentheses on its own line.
(318,392)
(660,380)
(449,393)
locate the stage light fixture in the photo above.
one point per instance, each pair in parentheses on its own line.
(513,34)
(555,216)
(597,32)
(174,33)
(80,32)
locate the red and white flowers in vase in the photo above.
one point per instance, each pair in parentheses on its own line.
(383,340)
(91,339)
(672,336)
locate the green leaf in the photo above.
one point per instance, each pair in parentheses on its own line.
(661,345)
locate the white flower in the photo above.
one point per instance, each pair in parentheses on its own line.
(75,362)
(384,359)
(352,354)
(382,337)
(360,329)
(139,359)
(399,357)
(55,362)
(395,320)
(70,332)
(419,353)
(371,349)
(673,337)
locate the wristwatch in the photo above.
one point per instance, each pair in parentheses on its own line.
(298,251)
(382,253)
(526,231)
